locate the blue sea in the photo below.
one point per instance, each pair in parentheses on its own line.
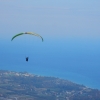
(77,61)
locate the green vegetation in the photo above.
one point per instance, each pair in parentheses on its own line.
(25,86)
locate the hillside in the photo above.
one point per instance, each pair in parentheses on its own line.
(25,86)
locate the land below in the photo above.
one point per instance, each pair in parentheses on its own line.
(26,86)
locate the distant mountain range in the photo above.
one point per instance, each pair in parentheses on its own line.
(26,86)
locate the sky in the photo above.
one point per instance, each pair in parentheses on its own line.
(52,17)
(71,33)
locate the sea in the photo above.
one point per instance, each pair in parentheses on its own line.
(77,61)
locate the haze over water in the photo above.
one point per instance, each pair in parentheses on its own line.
(71,47)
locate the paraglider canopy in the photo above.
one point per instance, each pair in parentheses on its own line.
(30,33)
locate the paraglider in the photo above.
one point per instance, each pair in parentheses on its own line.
(29,33)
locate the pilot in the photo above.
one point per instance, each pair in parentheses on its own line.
(26,58)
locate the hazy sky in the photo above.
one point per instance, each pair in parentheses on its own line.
(70,28)
(51,17)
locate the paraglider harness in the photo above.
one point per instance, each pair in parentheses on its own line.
(26,58)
